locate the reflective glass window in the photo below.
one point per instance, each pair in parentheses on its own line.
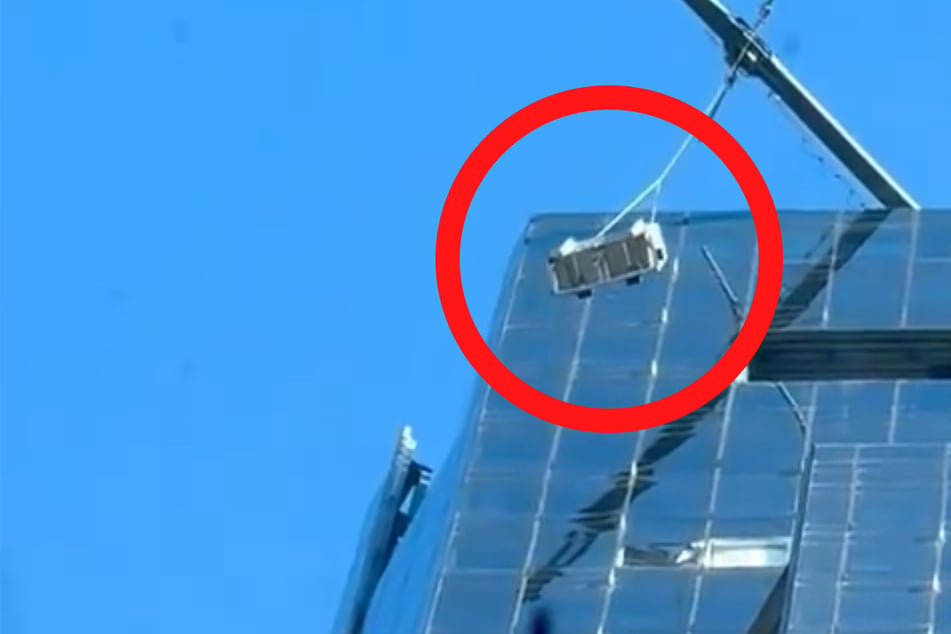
(933,240)
(923,411)
(928,304)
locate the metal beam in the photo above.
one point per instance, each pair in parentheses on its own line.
(757,60)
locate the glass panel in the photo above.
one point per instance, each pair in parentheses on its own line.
(820,554)
(674,379)
(814,608)
(807,234)
(580,493)
(681,447)
(752,525)
(572,549)
(608,393)
(640,304)
(930,284)
(942,609)
(674,496)
(632,347)
(475,546)
(863,609)
(853,412)
(495,594)
(534,305)
(763,433)
(556,227)
(654,530)
(535,345)
(500,496)
(731,600)
(891,235)
(691,345)
(934,235)
(513,445)
(539,376)
(878,560)
(827,508)
(576,607)
(596,454)
(804,296)
(699,304)
(869,292)
(924,412)
(755,495)
(719,237)
(651,601)
(876,507)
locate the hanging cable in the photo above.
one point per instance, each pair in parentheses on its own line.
(729,80)
(656,185)
(810,147)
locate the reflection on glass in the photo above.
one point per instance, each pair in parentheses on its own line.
(718,553)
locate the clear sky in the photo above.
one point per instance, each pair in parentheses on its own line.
(216,256)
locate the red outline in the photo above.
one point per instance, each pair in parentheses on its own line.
(449,240)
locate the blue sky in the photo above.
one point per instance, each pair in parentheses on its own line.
(217,243)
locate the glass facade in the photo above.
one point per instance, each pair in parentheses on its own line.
(791,502)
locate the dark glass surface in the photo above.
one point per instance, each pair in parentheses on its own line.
(691,527)
(854,354)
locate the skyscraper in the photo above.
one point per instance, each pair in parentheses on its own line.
(812,497)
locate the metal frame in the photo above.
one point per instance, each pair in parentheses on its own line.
(760,62)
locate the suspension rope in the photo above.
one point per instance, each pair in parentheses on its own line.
(711,111)
(811,148)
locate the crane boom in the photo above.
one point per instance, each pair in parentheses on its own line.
(757,60)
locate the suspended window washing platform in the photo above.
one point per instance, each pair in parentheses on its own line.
(579,266)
